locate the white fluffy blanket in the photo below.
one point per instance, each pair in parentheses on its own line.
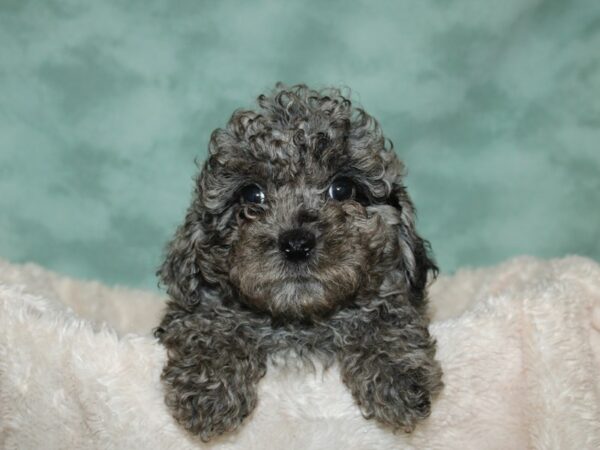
(519,344)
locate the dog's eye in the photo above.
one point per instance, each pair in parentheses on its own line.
(252,194)
(342,189)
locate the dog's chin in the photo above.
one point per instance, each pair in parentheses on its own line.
(293,298)
(296,298)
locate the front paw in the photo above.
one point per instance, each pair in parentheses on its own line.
(396,398)
(209,403)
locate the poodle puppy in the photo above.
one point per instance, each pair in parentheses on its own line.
(300,240)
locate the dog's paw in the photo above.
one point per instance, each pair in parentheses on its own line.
(397,399)
(209,401)
(209,410)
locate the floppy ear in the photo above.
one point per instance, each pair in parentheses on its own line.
(180,272)
(416,260)
(424,265)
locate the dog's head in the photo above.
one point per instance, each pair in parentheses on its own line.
(299,210)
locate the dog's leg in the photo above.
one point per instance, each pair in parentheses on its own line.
(211,375)
(391,371)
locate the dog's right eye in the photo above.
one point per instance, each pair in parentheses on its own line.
(342,189)
(252,194)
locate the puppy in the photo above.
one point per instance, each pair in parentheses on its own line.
(300,240)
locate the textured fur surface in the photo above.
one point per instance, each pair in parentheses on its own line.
(519,344)
(357,297)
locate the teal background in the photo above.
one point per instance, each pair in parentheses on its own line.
(494,106)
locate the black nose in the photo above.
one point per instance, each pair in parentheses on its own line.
(297,244)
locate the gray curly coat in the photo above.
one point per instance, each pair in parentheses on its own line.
(356,297)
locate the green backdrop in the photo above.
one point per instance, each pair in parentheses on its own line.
(494,106)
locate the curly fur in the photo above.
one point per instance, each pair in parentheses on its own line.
(361,298)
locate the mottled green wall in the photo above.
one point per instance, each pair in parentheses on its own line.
(494,105)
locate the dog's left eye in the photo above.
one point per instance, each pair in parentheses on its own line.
(253,194)
(342,189)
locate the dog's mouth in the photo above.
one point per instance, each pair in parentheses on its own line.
(297,273)
(299,295)
(298,279)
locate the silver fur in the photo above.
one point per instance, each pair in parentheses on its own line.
(360,300)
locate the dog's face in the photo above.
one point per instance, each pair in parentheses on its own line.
(299,210)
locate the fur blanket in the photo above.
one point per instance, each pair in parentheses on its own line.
(519,344)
